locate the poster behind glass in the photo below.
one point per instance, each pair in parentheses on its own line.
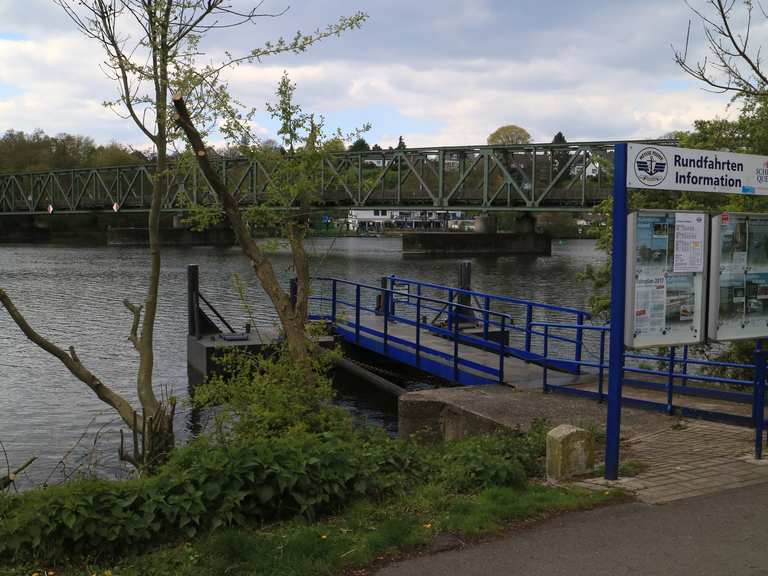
(739,277)
(665,288)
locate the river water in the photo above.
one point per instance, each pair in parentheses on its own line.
(73,296)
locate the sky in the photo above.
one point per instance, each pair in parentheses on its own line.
(436,72)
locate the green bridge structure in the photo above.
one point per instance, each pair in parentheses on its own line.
(531,177)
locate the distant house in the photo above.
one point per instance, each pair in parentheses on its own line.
(376,220)
(593,169)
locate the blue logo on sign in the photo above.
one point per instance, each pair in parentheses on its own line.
(747,189)
(651,166)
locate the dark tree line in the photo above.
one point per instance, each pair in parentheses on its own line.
(22,151)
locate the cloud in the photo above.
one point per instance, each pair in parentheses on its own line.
(437,73)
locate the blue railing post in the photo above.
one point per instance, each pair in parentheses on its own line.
(418,330)
(528,320)
(579,341)
(601,370)
(684,378)
(333,301)
(387,295)
(670,380)
(502,342)
(618,296)
(545,362)
(450,308)
(759,399)
(392,295)
(455,342)
(357,314)
(487,318)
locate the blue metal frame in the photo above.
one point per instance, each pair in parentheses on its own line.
(618,292)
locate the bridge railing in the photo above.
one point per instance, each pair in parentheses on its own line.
(334,305)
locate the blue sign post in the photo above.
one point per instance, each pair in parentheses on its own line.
(618,296)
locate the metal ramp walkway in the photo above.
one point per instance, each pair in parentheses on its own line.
(474,338)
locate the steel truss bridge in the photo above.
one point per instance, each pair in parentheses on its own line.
(530,177)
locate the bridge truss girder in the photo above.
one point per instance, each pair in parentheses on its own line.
(542,177)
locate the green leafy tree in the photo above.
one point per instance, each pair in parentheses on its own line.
(559,157)
(509,134)
(151,51)
(291,193)
(360,145)
(334,146)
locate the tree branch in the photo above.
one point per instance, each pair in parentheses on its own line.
(134,335)
(71,361)
(261,265)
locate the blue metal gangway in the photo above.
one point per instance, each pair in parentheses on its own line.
(466,336)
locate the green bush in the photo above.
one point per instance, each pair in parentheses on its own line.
(272,395)
(206,486)
(484,461)
(201,488)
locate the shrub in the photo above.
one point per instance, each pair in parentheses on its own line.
(272,395)
(483,461)
(206,486)
(201,488)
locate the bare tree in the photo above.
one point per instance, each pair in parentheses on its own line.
(150,49)
(734,62)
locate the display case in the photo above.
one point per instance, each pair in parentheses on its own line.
(666,278)
(738,305)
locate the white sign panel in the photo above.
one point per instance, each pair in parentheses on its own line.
(665,303)
(670,168)
(689,242)
(738,302)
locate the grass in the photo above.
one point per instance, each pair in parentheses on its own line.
(366,532)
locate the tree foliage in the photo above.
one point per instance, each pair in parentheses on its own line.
(290,194)
(509,134)
(35,151)
(360,145)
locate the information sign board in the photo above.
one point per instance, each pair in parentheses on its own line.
(665,303)
(738,302)
(670,168)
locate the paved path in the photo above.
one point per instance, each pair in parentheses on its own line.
(723,534)
(690,459)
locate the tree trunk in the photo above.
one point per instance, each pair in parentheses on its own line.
(292,318)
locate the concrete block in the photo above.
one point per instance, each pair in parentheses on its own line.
(570,452)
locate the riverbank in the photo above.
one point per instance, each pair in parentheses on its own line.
(375,499)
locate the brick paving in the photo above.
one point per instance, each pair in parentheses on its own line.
(689,459)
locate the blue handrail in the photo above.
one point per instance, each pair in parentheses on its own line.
(387,311)
(675,368)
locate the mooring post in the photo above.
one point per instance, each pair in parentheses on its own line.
(193,285)
(465,283)
(380,300)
